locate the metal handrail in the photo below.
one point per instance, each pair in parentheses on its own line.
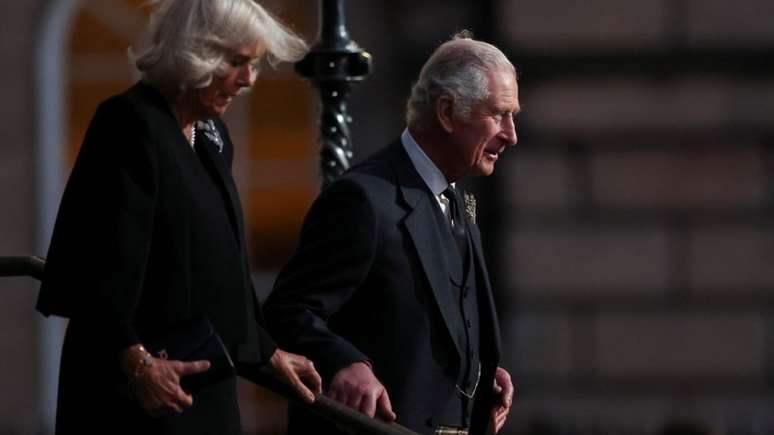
(22,266)
(347,419)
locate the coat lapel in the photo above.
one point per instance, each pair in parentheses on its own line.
(420,221)
(488,314)
(211,156)
(214,157)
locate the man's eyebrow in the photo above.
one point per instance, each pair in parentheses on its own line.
(508,109)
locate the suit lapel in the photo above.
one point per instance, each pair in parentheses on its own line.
(420,221)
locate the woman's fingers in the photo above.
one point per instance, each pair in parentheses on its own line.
(158,390)
(294,370)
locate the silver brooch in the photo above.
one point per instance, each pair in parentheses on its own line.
(470,207)
(211,132)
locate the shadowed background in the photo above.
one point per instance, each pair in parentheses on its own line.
(630,232)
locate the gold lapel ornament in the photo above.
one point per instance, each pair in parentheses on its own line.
(470,207)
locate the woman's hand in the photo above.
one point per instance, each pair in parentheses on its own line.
(298,372)
(155,382)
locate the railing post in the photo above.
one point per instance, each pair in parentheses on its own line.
(333,64)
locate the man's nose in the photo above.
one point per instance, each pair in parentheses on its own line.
(509,131)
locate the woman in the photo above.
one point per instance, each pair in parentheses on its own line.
(150,235)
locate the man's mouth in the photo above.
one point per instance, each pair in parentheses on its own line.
(492,154)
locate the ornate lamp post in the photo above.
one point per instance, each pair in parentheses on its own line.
(334,63)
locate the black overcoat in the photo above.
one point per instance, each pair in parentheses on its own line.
(149,234)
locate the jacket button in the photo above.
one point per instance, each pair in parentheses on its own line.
(470,324)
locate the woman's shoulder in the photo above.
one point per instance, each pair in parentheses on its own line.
(125,124)
(141,99)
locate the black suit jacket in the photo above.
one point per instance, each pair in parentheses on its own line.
(370,281)
(149,234)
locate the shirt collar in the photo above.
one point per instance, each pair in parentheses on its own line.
(431,175)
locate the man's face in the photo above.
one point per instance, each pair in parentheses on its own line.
(479,139)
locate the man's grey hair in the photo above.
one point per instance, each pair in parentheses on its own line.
(458,69)
(190,39)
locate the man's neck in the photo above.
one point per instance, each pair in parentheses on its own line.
(433,145)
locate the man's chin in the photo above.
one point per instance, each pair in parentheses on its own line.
(483,170)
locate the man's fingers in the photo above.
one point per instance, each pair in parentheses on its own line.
(368,405)
(343,397)
(500,422)
(503,381)
(494,423)
(190,368)
(385,407)
(354,402)
(499,416)
(508,394)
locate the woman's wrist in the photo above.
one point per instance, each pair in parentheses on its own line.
(135,361)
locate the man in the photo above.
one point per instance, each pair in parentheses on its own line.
(388,291)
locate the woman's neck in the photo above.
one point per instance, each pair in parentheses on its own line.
(183,107)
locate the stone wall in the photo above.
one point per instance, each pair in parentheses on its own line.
(19,398)
(637,246)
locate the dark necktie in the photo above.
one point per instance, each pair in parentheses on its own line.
(457,221)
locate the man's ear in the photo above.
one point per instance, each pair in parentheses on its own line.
(444,111)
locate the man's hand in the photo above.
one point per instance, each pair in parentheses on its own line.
(298,372)
(503,388)
(157,386)
(357,387)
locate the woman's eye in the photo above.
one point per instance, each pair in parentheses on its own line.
(237,62)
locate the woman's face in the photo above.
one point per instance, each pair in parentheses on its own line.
(238,75)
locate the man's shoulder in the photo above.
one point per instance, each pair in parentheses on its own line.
(379,167)
(373,178)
